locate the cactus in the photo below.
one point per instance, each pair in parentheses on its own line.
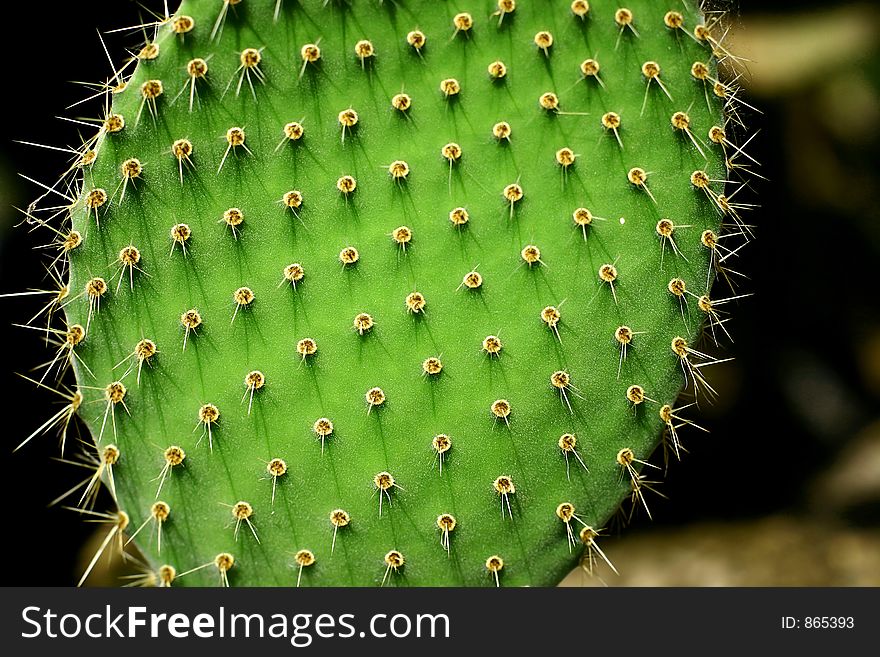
(390,293)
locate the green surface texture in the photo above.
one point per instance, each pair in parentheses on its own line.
(161,409)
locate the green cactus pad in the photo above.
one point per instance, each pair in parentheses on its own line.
(563,176)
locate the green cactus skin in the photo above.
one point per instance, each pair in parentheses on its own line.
(170,185)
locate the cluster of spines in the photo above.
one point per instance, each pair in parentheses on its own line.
(95,201)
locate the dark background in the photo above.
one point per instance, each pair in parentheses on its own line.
(794,436)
